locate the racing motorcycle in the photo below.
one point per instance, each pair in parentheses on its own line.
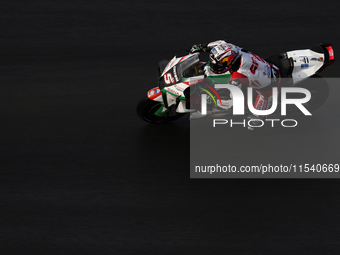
(183,80)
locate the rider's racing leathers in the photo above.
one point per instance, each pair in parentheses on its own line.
(251,71)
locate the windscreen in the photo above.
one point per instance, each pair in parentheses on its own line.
(186,68)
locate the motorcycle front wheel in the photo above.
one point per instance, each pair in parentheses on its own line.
(146,109)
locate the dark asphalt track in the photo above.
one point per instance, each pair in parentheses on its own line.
(81,174)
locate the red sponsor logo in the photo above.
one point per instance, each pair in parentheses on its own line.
(193,82)
(180,88)
(254,66)
(258,58)
(331,52)
(173,91)
(153,93)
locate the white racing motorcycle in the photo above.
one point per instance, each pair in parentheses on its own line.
(183,80)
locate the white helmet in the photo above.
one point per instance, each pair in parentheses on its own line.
(223,56)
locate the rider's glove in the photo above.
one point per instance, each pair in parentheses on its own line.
(198,48)
(254,122)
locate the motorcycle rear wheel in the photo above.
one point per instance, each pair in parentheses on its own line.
(319,94)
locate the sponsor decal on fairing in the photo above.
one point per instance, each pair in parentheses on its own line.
(175,74)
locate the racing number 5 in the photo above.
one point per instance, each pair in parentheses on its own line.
(169,79)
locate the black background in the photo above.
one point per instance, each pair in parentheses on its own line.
(81,174)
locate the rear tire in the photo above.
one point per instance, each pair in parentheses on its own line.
(146,109)
(319,94)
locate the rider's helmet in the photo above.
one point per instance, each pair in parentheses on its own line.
(223,56)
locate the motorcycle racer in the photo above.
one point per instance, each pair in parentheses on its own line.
(247,70)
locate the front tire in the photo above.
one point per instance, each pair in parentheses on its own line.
(146,109)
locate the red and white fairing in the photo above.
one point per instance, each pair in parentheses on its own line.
(175,61)
(253,71)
